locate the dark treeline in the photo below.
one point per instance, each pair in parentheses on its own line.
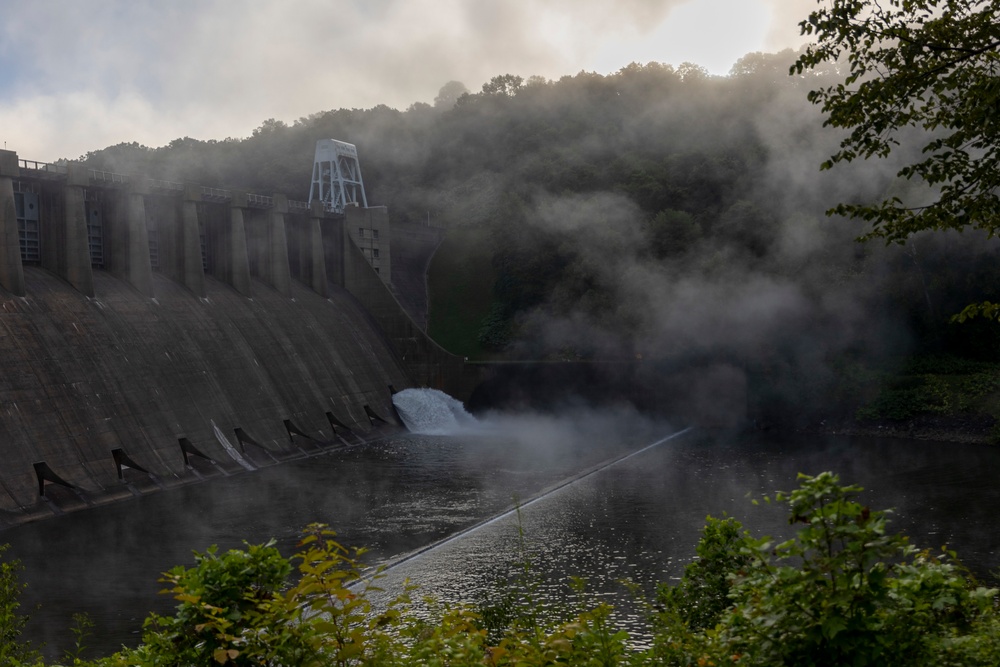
(655,212)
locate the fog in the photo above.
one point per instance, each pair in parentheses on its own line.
(656,212)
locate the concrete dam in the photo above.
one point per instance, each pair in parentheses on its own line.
(157,333)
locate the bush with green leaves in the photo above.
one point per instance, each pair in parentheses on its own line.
(702,595)
(242,608)
(13,649)
(842,591)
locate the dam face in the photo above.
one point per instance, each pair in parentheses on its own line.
(157,333)
(84,376)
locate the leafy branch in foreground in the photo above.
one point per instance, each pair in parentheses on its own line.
(13,651)
(925,65)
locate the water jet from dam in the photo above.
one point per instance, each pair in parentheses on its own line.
(432,412)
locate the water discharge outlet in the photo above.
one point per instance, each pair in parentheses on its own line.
(45,474)
(294,430)
(244,439)
(337,424)
(187,449)
(432,412)
(122,461)
(373,417)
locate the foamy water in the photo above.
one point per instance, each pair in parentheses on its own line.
(433,412)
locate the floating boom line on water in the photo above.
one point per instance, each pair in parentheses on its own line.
(544,493)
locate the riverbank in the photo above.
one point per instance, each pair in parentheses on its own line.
(977,429)
(939,398)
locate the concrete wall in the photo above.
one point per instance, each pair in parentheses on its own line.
(429,364)
(84,376)
(11,275)
(413,247)
(250,317)
(371,233)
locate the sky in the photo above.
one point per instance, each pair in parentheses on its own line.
(80,76)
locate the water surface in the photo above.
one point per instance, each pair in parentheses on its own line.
(638,519)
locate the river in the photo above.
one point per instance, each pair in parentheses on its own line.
(637,519)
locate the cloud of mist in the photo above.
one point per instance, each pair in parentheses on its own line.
(792,308)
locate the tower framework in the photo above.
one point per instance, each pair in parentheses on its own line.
(336,176)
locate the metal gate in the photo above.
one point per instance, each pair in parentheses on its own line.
(153,232)
(26,204)
(95,234)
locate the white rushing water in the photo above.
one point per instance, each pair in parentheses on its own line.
(432,412)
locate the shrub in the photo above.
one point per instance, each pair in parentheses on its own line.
(843,591)
(13,650)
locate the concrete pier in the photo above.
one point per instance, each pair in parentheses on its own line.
(11,273)
(68,253)
(191,259)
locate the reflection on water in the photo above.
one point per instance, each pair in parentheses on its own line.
(638,520)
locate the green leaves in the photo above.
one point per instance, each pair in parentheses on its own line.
(843,591)
(13,651)
(703,593)
(931,66)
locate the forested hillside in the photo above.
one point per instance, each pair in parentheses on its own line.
(657,212)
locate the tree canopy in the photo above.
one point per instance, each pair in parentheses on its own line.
(655,211)
(921,72)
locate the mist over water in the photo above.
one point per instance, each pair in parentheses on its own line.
(639,519)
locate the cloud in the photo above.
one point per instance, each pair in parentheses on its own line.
(79,77)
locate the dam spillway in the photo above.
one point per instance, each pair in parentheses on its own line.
(155,333)
(85,376)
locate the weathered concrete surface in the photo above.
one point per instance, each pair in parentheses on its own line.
(69,256)
(83,376)
(428,364)
(11,275)
(413,247)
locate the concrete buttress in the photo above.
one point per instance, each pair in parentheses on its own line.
(72,248)
(192,272)
(238,249)
(140,271)
(11,271)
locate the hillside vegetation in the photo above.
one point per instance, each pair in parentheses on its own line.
(657,212)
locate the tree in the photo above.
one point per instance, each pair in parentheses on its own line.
(270,126)
(504,84)
(924,68)
(449,94)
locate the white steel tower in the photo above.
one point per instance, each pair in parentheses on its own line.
(336,178)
